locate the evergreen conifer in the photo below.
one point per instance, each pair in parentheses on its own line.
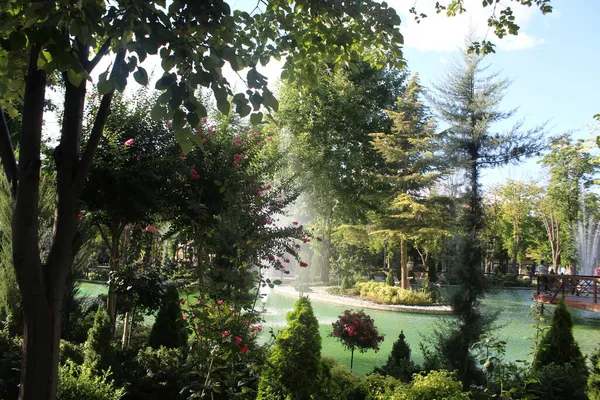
(399,364)
(169,328)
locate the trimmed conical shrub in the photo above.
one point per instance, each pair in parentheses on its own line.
(169,327)
(399,364)
(294,368)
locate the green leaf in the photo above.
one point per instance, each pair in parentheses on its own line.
(141,76)
(106,86)
(168,63)
(158,112)
(165,81)
(256,118)
(277,282)
(223,106)
(74,77)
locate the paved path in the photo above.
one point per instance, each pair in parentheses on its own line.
(319,294)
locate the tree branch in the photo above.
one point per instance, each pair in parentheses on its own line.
(90,65)
(98,127)
(7,154)
(104,238)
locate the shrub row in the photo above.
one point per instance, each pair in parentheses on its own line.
(379,292)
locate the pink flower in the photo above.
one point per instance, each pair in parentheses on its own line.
(297,246)
(271,257)
(238,142)
(231,308)
(235,164)
(185,317)
(203,121)
(219,302)
(268,187)
(287,260)
(212,130)
(270,138)
(305,239)
(129,142)
(79,217)
(259,192)
(169,124)
(194,174)
(295,222)
(224,334)
(244,348)
(237,157)
(151,229)
(238,340)
(204,140)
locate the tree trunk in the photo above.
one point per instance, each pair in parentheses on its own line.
(404,283)
(326,252)
(111,300)
(125,330)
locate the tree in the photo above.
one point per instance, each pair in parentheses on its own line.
(356,330)
(169,327)
(330,151)
(45,39)
(571,168)
(135,177)
(411,166)
(516,200)
(399,364)
(558,363)
(593,384)
(97,349)
(293,370)
(468,100)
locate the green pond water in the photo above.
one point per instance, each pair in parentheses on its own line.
(514,325)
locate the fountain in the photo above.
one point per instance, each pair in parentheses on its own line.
(587,235)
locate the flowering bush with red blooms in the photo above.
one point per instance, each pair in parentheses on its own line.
(224,345)
(357,330)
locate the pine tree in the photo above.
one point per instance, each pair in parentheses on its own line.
(293,370)
(593,383)
(169,328)
(411,164)
(97,349)
(399,364)
(468,100)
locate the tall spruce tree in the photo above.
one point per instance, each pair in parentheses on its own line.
(468,100)
(411,165)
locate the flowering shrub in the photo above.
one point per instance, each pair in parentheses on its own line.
(356,330)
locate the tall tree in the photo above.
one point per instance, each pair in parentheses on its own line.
(516,200)
(330,125)
(411,166)
(468,100)
(571,169)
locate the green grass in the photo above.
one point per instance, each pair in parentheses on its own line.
(87,289)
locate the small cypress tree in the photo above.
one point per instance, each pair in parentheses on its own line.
(97,349)
(399,364)
(558,344)
(389,280)
(169,327)
(593,383)
(558,366)
(293,370)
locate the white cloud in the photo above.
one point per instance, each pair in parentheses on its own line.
(438,32)
(443,60)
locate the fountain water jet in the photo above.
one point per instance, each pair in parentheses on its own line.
(587,236)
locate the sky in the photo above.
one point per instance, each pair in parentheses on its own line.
(553,63)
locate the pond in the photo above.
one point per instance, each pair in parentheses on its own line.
(514,323)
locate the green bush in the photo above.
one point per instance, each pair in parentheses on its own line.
(399,364)
(78,382)
(384,387)
(381,293)
(342,383)
(435,385)
(558,382)
(169,328)
(389,279)
(71,351)
(97,349)
(159,374)
(10,364)
(593,383)
(294,370)
(347,282)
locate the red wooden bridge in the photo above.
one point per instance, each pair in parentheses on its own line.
(579,291)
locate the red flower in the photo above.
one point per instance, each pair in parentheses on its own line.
(79,217)
(238,340)
(203,121)
(138,226)
(171,214)
(185,317)
(194,174)
(295,222)
(224,334)
(182,155)
(319,239)
(235,164)
(219,302)
(151,229)
(287,260)
(297,246)
(129,142)
(303,264)
(244,348)
(237,157)
(271,257)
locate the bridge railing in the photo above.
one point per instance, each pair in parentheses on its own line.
(568,285)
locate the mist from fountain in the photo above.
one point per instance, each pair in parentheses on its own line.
(587,236)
